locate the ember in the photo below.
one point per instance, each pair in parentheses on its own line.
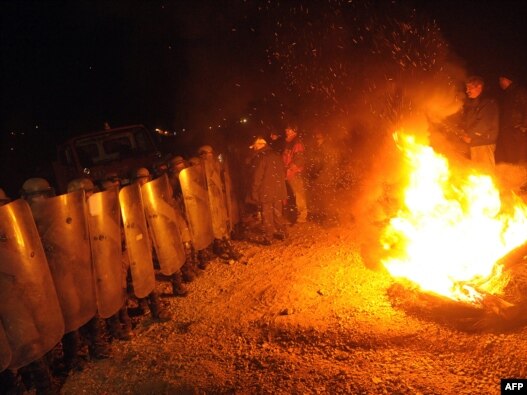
(452,229)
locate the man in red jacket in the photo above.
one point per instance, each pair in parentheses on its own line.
(293,157)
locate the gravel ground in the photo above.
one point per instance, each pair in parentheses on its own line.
(303,316)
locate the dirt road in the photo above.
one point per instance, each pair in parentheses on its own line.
(303,316)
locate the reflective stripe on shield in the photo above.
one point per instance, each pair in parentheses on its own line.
(105,241)
(217,201)
(5,351)
(30,310)
(162,218)
(195,195)
(63,229)
(138,245)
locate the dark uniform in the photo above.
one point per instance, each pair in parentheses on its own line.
(321,179)
(268,189)
(511,146)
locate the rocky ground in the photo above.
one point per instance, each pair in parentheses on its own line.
(302,316)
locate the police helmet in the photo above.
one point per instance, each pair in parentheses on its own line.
(205,149)
(82,183)
(36,186)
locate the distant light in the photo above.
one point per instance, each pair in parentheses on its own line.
(243,120)
(36,126)
(165,132)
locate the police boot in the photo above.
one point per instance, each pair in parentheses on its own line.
(187,273)
(209,254)
(238,233)
(115,328)
(98,348)
(193,265)
(70,350)
(203,259)
(264,240)
(218,248)
(11,383)
(191,261)
(159,314)
(232,253)
(126,323)
(281,234)
(178,289)
(142,306)
(41,378)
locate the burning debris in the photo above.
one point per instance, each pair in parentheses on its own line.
(457,240)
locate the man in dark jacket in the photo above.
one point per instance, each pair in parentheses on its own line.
(276,142)
(511,147)
(480,123)
(512,141)
(268,189)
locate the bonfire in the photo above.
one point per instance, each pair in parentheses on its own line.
(456,235)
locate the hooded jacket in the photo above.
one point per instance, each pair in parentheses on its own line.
(268,181)
(481,120)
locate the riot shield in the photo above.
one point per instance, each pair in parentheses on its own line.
(233,205)
(61,223)
(161,216)
(105,242)
(138,245)
(217,201)
(5,351)
(30,311)
(195,195)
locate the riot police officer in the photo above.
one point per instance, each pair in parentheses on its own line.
(34,191)
(156,309)
(222,245)
(190,268)
(10,379)
(142,177)
(37,373)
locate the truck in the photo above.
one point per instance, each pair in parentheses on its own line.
(118,150)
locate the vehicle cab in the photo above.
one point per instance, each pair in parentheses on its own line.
(97,153)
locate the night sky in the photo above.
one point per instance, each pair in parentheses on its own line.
(198,67)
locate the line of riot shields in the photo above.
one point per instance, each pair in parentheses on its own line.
(61,257)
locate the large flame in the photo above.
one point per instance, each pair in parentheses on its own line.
(452,228)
